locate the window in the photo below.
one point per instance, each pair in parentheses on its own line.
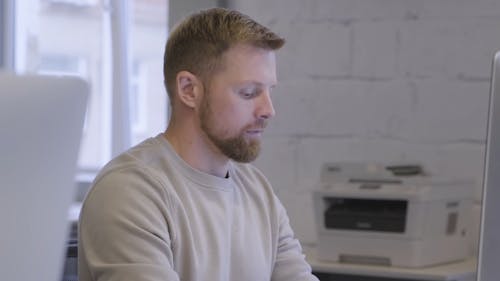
(75,37)
(62,65)
(2,33)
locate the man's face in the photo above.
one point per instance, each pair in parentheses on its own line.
(237,105)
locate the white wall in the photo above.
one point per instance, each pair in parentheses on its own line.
(376,80)
(179,9)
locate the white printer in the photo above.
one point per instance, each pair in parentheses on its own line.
(391,215)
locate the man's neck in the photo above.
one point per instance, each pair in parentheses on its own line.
(195,150)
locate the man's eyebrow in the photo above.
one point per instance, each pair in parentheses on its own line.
(257,83)
(251,82)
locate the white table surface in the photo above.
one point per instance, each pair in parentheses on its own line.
(460,271)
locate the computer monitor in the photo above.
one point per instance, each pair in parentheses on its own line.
(489,243)
(41,120)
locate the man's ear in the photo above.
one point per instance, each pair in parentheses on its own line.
(189,88)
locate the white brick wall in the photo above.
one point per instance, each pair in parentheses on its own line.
(328,56)
(375,49)
(449,48)
(376,80)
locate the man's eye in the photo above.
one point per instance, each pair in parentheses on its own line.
(248,94)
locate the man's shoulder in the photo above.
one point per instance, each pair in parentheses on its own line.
(144,164)
(145,156)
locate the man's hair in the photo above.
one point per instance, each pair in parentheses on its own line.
(198,43)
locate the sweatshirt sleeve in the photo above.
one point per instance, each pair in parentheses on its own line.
(290,264)
(124,231)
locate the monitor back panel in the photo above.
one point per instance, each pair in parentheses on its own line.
(489,253)
(41,121)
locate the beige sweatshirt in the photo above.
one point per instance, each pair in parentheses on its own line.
(150,216)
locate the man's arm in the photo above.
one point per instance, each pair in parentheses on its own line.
(124,232)
(290,262)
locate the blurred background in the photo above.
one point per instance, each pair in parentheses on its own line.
(366,81)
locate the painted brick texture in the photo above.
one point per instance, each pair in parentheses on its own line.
(376,81)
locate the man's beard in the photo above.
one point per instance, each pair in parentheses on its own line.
(237,148)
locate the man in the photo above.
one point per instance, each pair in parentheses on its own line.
(184,205)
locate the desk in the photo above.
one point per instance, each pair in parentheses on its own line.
(458,271)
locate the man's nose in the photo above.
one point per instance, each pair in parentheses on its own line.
(265,108)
